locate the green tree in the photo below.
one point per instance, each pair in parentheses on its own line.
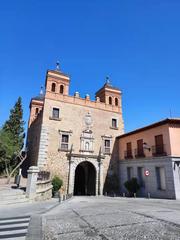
(12,141)
(8,151)
(15,124)
(132,186)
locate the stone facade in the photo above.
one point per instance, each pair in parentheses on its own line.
(89,129)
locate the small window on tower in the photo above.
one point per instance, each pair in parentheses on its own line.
(61,89)
(110,100)
(53,87)
(55,113)
(37,110)
(114,123)
(116,101)
(64,141)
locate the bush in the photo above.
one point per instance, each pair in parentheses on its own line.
(57,183)
(132,186)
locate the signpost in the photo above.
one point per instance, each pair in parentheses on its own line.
(147,173)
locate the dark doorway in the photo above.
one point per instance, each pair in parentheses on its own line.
(85,179)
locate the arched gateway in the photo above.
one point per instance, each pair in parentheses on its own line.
(85,179)
(85,175)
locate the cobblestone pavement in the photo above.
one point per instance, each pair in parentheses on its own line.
(113,218)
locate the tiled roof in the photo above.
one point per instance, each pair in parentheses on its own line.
(156,124)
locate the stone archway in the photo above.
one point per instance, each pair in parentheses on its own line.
(77,159)
(85,179)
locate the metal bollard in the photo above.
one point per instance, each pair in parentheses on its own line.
(134,195)
(149,195)
(124,195)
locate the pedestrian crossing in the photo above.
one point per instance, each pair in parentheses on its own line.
(14,228)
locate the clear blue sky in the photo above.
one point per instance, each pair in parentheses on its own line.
(136,43)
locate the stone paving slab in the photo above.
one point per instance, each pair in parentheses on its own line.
(112,219)
(150,231)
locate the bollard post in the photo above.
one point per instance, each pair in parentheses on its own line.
(59,197)
(124,195)
(149,195)
(134,195)
(32,182)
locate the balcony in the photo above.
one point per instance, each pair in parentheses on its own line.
(159,150)
(128,154)
(139,153)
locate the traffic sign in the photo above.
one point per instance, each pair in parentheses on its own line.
(146,173)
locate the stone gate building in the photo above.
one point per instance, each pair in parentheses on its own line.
(74,137)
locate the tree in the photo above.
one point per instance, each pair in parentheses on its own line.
(132,186)
(7,151)
(15,124)
(12,141)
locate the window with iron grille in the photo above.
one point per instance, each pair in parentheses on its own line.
(107,146)
(160,178)
(140,172)
(129,173)
(55,113)
(64,142)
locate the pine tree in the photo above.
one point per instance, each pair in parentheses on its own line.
(12,140)
(15,124)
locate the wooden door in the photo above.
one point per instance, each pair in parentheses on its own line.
(159,146)
(140,150)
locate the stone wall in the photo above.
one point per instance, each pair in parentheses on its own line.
(149,164)
(72,120)
(33,140)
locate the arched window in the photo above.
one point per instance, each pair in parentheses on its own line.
(116,101)
(61,89)
(110,100)
(53,87)
(37,110)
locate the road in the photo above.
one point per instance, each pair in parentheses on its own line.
(112,218)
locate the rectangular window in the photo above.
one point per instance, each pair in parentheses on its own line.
(129,173)
(107,146)
(159,146)
(160,177)
(129,150)
(55,113)
(114,123)
(140,172)
(140,149)
(64,142)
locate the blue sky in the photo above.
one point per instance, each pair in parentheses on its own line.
(135,42)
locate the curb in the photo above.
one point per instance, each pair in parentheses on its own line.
(35,225)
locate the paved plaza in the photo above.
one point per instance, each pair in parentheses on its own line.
(112,218)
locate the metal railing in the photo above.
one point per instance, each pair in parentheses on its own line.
(43,176)
(128,154)
(159,150)
(139,153)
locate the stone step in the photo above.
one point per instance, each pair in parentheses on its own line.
(12,197)
(13,201)
(14,227)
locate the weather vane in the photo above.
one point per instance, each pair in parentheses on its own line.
(107,80)
(57,66)
(41,91)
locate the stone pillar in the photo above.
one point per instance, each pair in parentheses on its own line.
(100,190)
(31,182)
(71,176)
